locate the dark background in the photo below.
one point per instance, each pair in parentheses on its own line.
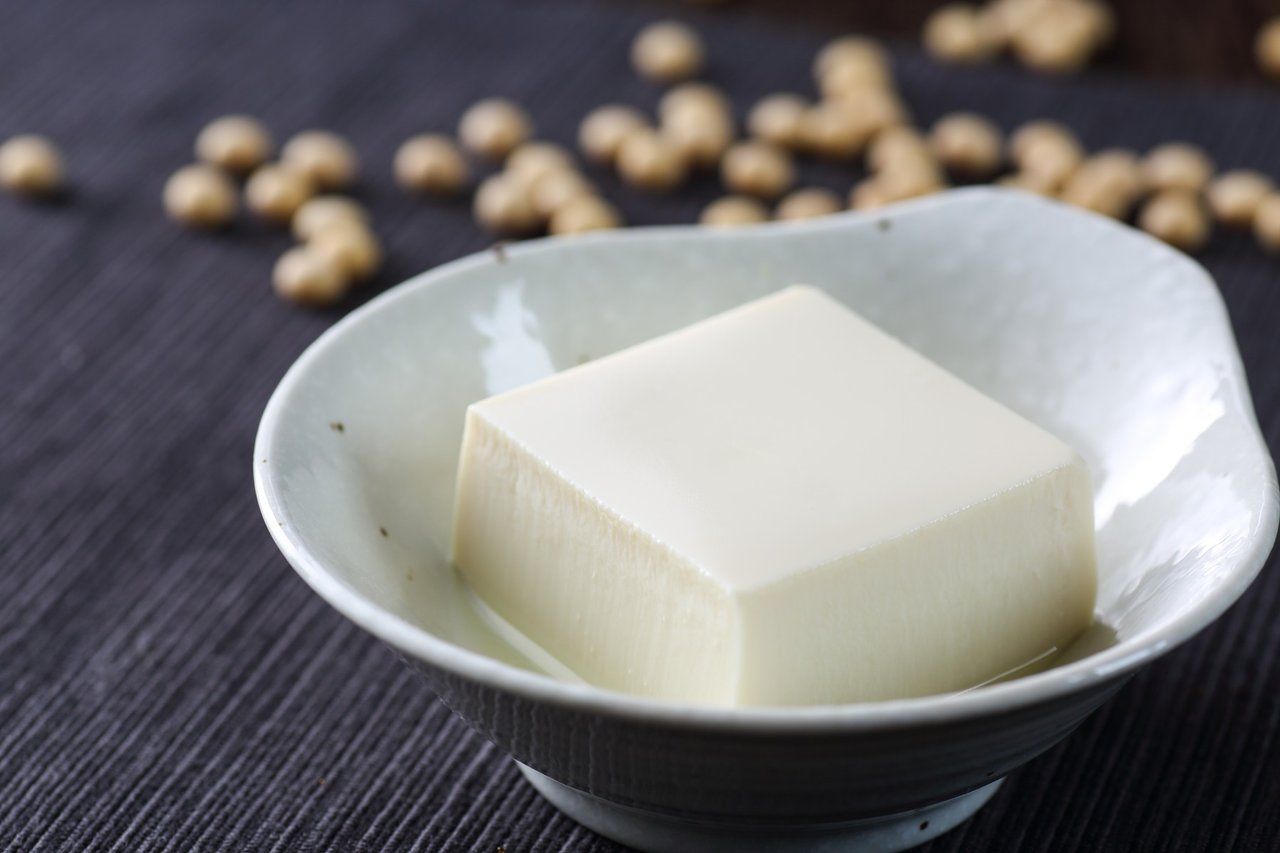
(1176,39)
(165,680)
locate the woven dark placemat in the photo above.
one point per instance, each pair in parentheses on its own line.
(167,683)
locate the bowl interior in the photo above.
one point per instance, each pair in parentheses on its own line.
(1115,343)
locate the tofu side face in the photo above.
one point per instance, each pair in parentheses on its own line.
(600,595)
(779,505)
(957,603)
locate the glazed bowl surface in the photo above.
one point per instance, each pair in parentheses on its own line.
(1114,342)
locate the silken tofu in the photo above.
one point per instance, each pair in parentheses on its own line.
(780,505)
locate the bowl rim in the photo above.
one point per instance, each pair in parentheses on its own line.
(1092,671)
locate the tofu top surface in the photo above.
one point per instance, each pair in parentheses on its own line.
(773,438)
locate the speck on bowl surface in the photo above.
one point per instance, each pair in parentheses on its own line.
(1109,339)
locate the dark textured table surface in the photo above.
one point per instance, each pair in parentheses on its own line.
(165,680)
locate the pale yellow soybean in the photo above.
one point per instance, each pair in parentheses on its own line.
(200,196)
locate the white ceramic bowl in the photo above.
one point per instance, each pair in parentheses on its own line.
(1116,343)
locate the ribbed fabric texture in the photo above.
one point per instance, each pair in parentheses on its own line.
(166,683)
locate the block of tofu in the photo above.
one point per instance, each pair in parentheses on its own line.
(780,505)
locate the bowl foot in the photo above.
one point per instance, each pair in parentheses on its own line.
(654,832)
